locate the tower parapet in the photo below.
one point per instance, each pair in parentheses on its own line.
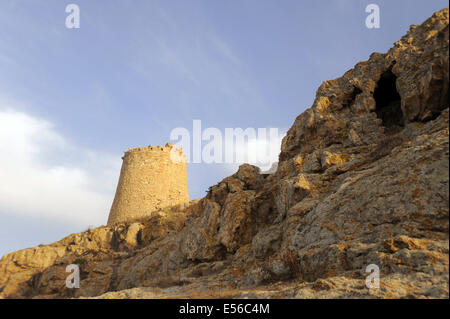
(151,178)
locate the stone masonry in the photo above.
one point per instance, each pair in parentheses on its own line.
(152,178)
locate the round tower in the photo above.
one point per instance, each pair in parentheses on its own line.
(151,178)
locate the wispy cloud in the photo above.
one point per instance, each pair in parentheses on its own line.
(259,151)
(172,59)
(44,175)
(187,53)
(224,49)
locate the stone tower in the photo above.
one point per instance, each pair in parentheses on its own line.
(151,178)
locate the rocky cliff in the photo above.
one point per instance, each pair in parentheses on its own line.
(362,179)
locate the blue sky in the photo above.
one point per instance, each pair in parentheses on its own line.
(72,100)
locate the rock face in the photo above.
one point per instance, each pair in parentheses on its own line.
(362,179)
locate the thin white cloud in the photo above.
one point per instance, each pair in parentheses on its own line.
(261,151)
(266,150)
(188,49)
(170,58)
(224,49)
(43,175)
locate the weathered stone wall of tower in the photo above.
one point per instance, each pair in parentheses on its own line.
(151,178)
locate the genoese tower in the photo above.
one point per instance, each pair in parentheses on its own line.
(152,178)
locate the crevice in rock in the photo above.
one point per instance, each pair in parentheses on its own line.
(139,238)
(352,96)
(113,279)
(115,241)
(388,103)
(34,281)
(438,100)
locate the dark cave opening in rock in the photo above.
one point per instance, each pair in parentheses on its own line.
(388,103)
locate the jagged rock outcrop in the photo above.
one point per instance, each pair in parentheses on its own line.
(362,179)
(98,252)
